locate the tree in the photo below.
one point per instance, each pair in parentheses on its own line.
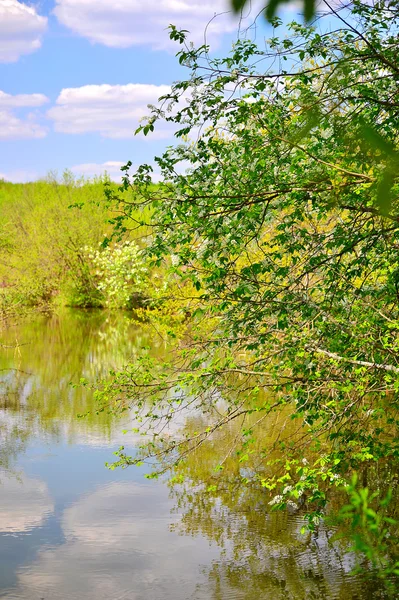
(272,6)
(283,235)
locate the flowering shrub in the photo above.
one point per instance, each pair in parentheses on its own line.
(119,273)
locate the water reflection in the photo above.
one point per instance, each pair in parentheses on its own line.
(41,359)
(117,545)
(25,504)
(265,555)
(70,529)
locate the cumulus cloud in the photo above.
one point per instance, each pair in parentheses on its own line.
(21,30)
(113,111)
(13,126)
(21,100)
(133,22)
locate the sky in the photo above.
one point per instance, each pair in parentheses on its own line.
(76,78)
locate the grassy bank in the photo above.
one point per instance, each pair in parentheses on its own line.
(50,247)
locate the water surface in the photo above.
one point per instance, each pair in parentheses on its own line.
(71,529)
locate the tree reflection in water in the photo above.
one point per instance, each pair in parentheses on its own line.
(39,360)
(264,555)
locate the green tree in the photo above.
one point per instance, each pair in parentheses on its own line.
(271,7)
(284,233)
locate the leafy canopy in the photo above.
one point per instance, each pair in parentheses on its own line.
(282,235)
(272,7)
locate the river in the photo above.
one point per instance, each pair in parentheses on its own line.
(71,529)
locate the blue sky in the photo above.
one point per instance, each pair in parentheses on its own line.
(76,76)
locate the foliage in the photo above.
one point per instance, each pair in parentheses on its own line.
(120,274)
(272,6)
(264,549)
(41,237)
(45,232)
(374,534)
(286,225)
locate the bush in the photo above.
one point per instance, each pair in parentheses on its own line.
(119,274)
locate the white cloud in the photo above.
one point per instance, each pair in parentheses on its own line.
(21,100)
(113,111)
(14,127)
(21,29)
(125,23)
